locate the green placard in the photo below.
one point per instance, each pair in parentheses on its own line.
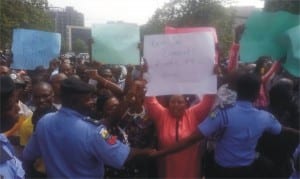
(116,43)
(292,42)
(263,33)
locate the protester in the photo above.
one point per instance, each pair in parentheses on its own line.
(26,95)
(235,150)
(81,72)
(55,82)
(128,121)
(66,68)
(119,72)
(105,82)
(43,99)
(40,73)
(106,73)
(10,165)
(266,71)
(287,113)
(106,107)
(53,67)
(174,123)
(121,120)
(24,111)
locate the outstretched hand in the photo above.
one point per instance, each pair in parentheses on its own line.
(153,153)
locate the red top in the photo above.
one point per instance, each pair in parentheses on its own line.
(186,163)
(233,57)
(262,100)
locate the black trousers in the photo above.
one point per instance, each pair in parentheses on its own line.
(234,172)
(217,171)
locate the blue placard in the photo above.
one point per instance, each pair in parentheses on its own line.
(32,48)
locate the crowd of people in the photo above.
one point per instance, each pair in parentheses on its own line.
(89,120)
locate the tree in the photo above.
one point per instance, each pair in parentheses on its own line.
(29,14)
(193,13)
(79,46)
(292,6)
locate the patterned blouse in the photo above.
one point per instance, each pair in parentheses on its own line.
(136,131)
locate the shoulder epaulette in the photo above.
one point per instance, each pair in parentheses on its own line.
(225,106)
(219,108)
(93,121)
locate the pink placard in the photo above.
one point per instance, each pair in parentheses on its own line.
(173,30)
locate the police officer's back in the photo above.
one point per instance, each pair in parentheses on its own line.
(70,143)
(241,126)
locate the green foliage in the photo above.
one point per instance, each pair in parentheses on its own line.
(22,14)
(79,46)
(292,6)
(194,13)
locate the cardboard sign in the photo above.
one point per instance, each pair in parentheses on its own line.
(292,41)
(32,48)
(263,31)
(180,64)
(116,43)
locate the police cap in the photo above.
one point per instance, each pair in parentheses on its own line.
(6,85)
(74,85)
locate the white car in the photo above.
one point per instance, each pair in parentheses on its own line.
(84,56)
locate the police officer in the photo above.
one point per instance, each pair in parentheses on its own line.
(10,165)
(72,144)
(239,129)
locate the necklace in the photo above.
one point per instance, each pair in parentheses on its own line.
(136,115)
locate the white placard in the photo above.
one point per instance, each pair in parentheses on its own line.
(180,64)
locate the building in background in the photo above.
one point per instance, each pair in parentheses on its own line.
(77,38)
(63,17)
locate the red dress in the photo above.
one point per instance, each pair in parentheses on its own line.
(186,163)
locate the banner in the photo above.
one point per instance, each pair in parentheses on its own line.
(116,43)
(263,31)
(180,64)
(32,48)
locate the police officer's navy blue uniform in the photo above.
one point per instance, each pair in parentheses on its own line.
(243,127)
(73,147)
(10,165)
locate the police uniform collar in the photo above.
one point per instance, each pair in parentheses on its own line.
(77,114)
(71,112)
(91,120)
(244,103)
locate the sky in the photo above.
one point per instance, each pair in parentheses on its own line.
(131,11)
